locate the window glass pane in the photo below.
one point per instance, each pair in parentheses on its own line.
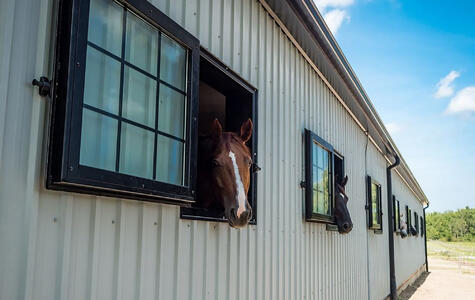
(326,193)
(321,180)
(171,111)
(136,151)
(315,202)
(139,97)
(141,44)
(101,87)
(105,25)
(321,203)
(374,203)
(99,141)
(172,63)
(169,160)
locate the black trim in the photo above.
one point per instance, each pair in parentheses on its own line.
(64,171)
(369,182)
(310,216)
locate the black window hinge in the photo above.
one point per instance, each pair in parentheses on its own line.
(255,168)
(44,86)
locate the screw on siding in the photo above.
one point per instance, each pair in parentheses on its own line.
(155,223)
(55,219)
(113,221)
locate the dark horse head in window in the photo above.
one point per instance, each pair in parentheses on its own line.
(342,216)
(224,163)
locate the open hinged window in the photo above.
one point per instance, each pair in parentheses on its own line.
(323,167)
(124,102)
(416,222)
(226,96)
(408,220)
(375,214)
(396,216)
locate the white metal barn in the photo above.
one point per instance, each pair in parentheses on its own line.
(97,172)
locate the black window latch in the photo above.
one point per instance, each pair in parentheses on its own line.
(255,168)
(44,86)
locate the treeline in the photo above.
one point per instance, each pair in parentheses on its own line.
(451,225)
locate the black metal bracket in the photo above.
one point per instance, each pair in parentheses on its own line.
(44,86)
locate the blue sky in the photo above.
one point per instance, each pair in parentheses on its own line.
(416,61)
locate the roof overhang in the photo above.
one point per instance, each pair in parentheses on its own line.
(305,26)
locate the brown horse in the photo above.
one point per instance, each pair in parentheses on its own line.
(342,216)
(224,163)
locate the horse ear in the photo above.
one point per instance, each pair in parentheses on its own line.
(246,130)
(344,181)
(216,130)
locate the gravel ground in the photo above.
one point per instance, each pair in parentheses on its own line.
(446,280)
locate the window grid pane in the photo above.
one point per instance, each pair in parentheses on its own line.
(321,180)
(131,57)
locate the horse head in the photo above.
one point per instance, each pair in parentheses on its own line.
(403,229)
(224,163)
(342,215)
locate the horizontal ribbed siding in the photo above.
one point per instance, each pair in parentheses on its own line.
(67,246)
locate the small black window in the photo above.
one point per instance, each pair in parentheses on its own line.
(422,226)
(374,204)
(416,222)
(124,110)
(408,220)
(397,216)
(323,166)
(226,96)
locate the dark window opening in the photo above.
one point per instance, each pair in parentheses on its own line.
(397,216)
(416,222)
(422,226)
(124,111)
(230,99)
(408,220)
(375,214)
(323,168)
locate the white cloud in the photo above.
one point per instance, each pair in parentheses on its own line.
(334,18)
(445,87)
(323,4)
(463,101)
(393,128)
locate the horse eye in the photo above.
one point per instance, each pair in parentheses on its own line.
(215,163)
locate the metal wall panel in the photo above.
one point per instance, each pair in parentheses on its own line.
(409,252)
(56,245)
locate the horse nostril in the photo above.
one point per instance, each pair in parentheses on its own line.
(346,226)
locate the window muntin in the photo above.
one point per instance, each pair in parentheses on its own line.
(322,167)
(124,110)
(374,204)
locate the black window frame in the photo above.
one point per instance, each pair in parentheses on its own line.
(416,222)
(310,216)
(64,171)
(226,74)
(408,220)
(422,226)
(396,217)
(369,182)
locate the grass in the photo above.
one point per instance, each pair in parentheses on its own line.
(452,250)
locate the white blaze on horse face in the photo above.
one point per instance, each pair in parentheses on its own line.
(241,195)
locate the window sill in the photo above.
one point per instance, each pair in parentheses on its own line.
(378,231)
(332,227)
